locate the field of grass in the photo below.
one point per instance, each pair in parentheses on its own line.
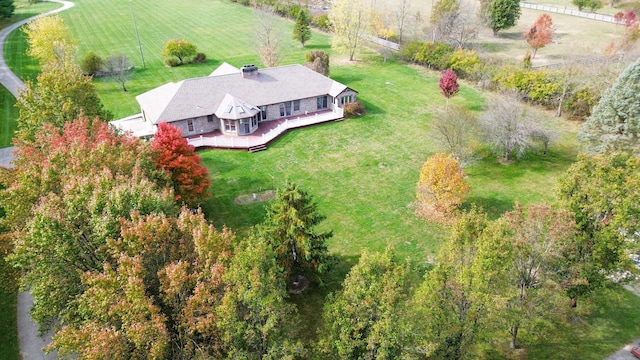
(8,328)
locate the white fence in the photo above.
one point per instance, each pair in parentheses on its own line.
(582,14)
(382,42)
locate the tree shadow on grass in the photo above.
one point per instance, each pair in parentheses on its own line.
(492,206)
(317,47)
(311,302)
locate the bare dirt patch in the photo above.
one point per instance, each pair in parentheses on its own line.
(255,197)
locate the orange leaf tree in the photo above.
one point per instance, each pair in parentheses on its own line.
(442,187)
(540,34)
(179,160)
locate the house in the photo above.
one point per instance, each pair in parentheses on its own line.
(236,103)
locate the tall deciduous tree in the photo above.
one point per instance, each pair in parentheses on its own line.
(121,320)
(448,85)
(455,130)
(62,93)
(442,187)
(614,124)
(254,319)
(63,201)
(180,48)
(48,39)
(502,14)
(289,228)
(540,34)
(530,245)
(157,297)
(174,155)
(349,22)
(603,194)
(268,39)
(452,314)
(366,319)
(444,15)
(507,127)
(301,29)
(119,69)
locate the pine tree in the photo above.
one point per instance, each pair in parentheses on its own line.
(289,229)
(614,124)
(301,30)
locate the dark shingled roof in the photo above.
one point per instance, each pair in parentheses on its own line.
(203,96)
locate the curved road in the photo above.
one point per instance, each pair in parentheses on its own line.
(30,342)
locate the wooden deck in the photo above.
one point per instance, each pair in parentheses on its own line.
(267,132)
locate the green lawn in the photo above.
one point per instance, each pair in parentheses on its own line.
(8,326)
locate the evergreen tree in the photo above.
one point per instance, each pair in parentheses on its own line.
(614,124)
(301,30)
(6,8)
(289,229)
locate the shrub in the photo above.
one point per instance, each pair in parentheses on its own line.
(537,86)
(91,63)
(318,61)
(171,62)
(353,109)
(464,62)
(322,22)
(435,55)
(200,58)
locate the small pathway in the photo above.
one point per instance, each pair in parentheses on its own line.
(28,337)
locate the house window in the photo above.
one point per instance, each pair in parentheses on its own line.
(285,109)
(263,113)
(229,125)
(345,100)
(296,105)
(210,118)
(254,120)
(190,125)
(322,102)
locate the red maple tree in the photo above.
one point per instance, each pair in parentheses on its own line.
(540,34)
(448,85)
(179,160)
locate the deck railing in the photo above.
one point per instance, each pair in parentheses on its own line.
(245,142)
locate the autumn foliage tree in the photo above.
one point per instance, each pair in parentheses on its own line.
(65,198)
(448,85)
(180,48)
(179,160)
(442,186)
(540,34)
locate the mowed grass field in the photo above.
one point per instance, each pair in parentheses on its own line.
(362,172)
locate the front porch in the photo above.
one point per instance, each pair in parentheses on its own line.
(267,132)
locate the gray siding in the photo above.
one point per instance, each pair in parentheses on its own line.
(200,126)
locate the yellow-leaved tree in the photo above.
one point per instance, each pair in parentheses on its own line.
(49,40)
(441,188)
